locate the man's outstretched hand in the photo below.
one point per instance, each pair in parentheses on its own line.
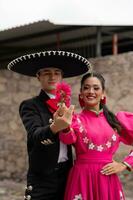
(62,118)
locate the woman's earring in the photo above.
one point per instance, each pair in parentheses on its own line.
(103,100)
(81,102)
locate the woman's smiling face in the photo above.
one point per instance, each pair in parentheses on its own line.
(92,92)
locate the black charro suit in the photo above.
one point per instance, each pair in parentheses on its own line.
(45,175)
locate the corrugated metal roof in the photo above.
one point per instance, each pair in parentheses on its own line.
(44,35)
(26,29)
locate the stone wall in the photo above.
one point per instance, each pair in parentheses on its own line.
(118,72)
(13,89)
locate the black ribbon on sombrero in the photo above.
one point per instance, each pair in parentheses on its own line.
(70,63)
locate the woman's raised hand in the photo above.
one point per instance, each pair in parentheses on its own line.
(62,118)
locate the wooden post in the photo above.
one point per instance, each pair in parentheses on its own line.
(115,44)
(58,41)
(98,41)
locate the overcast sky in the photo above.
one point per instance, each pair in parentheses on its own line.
(87,12)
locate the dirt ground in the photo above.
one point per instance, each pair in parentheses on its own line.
(12,190)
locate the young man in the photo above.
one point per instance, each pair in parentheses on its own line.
(49,159)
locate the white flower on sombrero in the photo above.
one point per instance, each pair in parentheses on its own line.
(70,63)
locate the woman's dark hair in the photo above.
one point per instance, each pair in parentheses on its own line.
(111,118)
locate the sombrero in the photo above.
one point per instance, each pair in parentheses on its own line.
(70,63)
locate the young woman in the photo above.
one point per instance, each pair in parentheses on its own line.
(96,133)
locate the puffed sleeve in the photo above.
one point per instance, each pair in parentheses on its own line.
(70,137)
(126,119)
(128,161)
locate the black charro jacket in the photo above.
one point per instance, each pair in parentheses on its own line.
(36,117)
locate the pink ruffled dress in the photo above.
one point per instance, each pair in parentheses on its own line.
(95,143)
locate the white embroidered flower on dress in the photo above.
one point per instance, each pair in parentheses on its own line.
(121,195)
(114,137)
(91,146)
(78,120)
(131,154)
(85,140)
(78,197)
(108,144)
(99,148)
(81,129)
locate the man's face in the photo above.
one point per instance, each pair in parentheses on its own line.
(48,78)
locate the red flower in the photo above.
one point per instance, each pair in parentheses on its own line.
(63,93)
